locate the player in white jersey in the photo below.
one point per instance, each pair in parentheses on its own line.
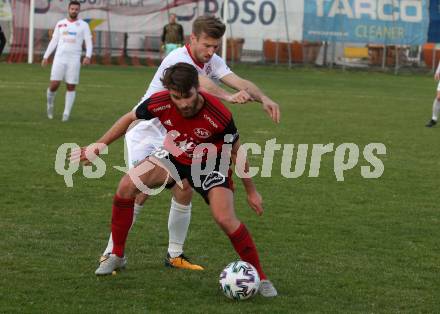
(436,104)
(146,136)
(67,38)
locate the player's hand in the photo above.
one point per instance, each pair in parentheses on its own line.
(437,76)
(44,62)
(272,109)
(255,201)
(240,97)
(86,61)
(87,154)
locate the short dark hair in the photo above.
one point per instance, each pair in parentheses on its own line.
(210,25)
(74,2)
(181,77)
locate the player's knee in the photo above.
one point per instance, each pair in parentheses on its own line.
(183,195)
(54,86)
(70,87)
(126,188)
(227,223)
(141,198)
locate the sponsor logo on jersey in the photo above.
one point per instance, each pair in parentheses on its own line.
(161,108)
(187,147)
(62,25)
(65,33)
(210,121)
(213,179)
(168,122)
(208,69)
(202,133)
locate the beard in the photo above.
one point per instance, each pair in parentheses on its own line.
(73,16)
(192,110)
(189,112)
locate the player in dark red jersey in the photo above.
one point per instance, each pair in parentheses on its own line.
(201,135)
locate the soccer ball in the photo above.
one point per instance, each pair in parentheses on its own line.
(239,280)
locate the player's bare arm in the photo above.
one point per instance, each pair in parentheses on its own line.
(236,82)
(254,198)
(209,86)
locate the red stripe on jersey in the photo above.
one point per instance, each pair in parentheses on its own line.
(160,99)
(157,97)
(217,116)
(150,105)
(215,102)
(199,64)
(216,107)
(160,96)
(157,100)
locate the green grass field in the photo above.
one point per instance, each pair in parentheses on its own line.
(361,245)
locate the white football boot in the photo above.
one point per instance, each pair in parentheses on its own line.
(267,289)
(110,264)
(50,111)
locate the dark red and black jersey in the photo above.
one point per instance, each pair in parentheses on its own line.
(210,125)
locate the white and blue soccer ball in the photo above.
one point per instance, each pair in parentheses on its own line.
(239,280)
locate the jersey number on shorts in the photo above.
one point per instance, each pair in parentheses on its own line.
(160,153)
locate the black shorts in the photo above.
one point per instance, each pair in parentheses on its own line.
(196,174)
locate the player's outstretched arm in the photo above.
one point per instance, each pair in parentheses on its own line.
(254,198)
(236,82)
(118,129)
(209,86)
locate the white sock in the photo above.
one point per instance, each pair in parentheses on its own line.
(137,210)
(50,97)
(435,109)
(178,224)
(109,248)
(70,98)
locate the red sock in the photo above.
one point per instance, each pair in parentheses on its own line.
(122,217)
(244,245)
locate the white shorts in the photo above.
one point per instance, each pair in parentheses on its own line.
(66,69)
(438,87)
(142,140)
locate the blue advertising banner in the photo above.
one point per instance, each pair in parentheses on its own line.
(434,21)
(390,22)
